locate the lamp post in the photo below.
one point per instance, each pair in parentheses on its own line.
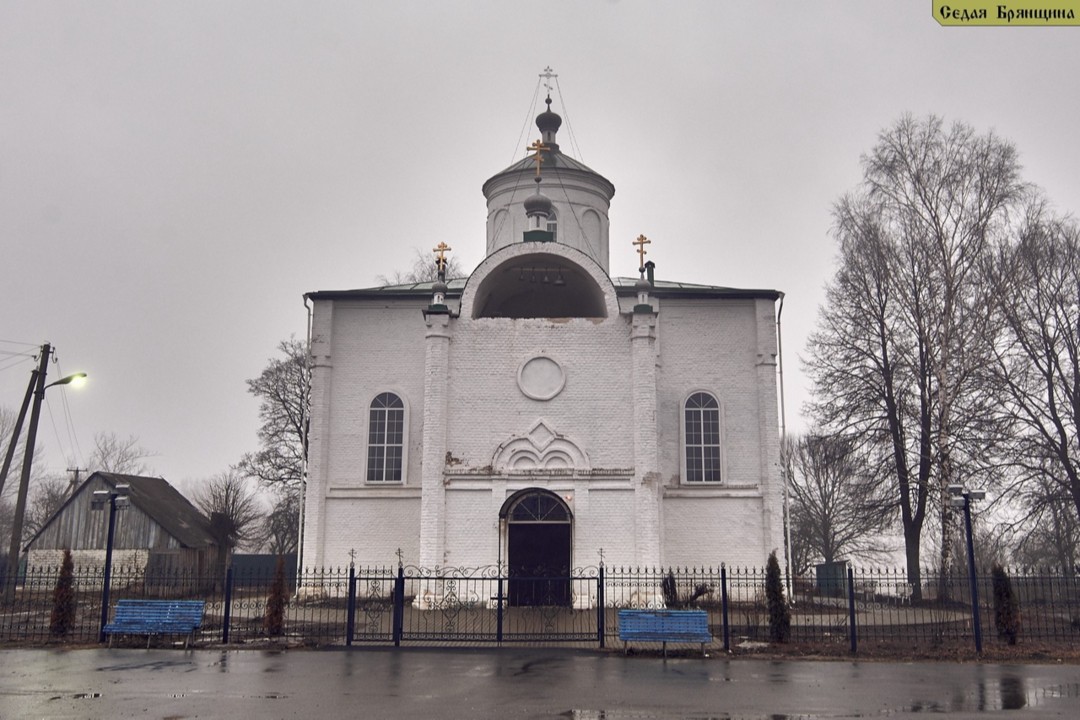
(962,497)
(116,498)
(35,392)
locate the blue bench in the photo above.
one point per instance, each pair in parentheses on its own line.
(664,626)
(156,617)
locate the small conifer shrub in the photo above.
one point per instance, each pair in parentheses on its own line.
(62,619)
(779,615)
(274,620)
(1006,608)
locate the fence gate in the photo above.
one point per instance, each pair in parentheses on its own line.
(474,605)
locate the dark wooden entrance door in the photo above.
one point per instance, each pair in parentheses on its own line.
(539,564)
(538,548)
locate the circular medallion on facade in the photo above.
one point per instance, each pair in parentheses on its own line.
(541,378)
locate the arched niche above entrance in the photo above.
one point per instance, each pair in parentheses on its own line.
(538,450)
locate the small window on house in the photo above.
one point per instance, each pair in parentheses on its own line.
(553,226)
(701,430)
(386,439)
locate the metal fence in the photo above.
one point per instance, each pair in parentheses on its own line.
(413,605)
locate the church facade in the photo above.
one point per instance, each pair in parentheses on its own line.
(541,413)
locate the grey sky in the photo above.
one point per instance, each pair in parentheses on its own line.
(175,175)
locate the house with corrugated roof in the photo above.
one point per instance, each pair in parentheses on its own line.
(159,530)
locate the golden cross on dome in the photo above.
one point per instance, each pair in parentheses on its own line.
(441,249)
(641,242)
(537,147)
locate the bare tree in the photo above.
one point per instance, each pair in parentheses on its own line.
(904,337)
(233,507)
(114,454)
(838,509)
(282,389)
(1049,534)
(281,526)
(424,269)
(48,495)
(1036,369)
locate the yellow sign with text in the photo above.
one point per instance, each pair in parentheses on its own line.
(1012,12)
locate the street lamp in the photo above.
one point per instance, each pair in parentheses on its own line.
(962,497)
(35,392)
(117,498)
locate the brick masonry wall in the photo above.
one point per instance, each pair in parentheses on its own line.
(594,409)
(710,345)
(375,528)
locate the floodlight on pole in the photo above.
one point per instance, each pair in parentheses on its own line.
(961,498)
(75,380)
(117,499)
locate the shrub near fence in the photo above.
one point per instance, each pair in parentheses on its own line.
(409,605)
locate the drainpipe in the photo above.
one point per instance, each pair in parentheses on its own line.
(304,459)
(783,438)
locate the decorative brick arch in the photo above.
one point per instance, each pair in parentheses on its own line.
(539,449)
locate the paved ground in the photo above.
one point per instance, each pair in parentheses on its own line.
(512,683)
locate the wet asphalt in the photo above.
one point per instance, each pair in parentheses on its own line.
(512,683)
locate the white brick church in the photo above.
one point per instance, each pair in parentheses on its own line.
(540,411)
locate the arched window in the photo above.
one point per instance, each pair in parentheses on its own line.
(386,439)
(701,431)
(553,225)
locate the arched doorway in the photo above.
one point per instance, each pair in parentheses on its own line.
(538,535)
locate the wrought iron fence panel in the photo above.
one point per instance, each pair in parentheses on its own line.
(27,618)
(818,615)
(451,604)
(561,609)
(748,615)
(373,613)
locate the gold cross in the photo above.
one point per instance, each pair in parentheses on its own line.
(641,242)
(537,147)
(440,260)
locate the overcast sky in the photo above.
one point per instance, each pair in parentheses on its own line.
(175,175)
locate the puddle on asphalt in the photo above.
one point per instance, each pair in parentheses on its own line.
(79,696)
(153,665)
(1006,693)
(652,715)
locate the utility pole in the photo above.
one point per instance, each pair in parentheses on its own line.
(18,429)
(38,385)
(74,484)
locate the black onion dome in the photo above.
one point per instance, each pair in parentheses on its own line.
(548,121)
(538,203)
